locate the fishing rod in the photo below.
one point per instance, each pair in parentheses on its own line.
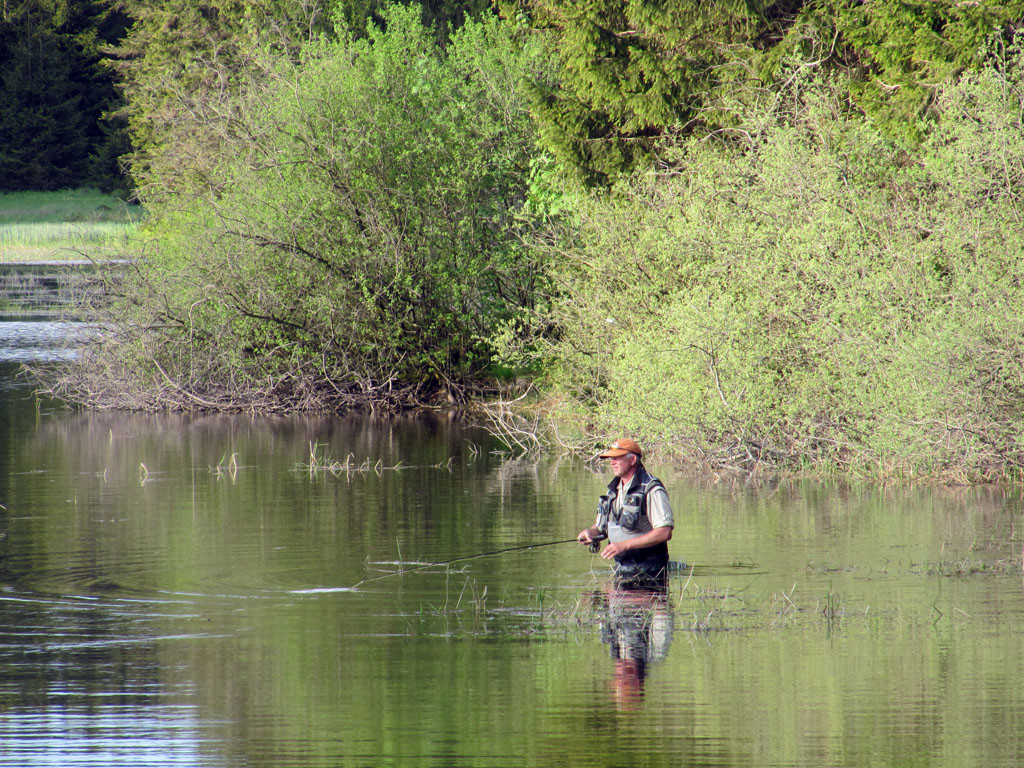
(440,563)
(594,546)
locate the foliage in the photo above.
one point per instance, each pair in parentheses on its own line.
(633,72)
(355,240)
(43,141)
(816,297)
(182,67)
(634,76)
(896,54)
(442,16)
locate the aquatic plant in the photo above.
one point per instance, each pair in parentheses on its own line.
(320,460)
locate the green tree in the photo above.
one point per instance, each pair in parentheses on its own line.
(43,140)
(630,73)
(636,74)
(357,237)
(897,54)
(183,64)
(817,297)
(442,16)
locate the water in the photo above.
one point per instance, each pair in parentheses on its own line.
(34,341)
(178,590)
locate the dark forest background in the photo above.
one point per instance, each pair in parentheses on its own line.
(59,104)
(63,122)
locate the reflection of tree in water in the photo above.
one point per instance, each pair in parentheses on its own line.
(637,626)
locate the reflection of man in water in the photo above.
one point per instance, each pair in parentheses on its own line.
(638,630)
(635,517)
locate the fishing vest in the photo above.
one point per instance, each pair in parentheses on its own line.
(631,520)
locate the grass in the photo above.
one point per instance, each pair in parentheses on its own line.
(64,225)
(968,567)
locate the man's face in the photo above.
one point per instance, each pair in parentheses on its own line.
(622,466)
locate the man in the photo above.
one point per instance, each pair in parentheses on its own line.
(635,517)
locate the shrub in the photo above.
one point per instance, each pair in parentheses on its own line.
(354,243)
(814,296)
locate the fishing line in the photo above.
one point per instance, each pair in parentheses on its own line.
(705,568)
(440,563)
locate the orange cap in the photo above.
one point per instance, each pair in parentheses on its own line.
(621,448)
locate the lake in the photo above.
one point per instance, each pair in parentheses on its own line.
(234,591)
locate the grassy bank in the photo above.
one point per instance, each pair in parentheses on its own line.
(58,226)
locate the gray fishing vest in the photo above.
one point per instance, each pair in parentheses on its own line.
(631,519)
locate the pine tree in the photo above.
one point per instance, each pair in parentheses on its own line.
(43,138)
(56,93)
(899,51)
(634,71)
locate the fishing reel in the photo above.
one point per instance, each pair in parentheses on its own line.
(595,544)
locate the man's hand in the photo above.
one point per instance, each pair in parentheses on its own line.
(613,549)
(592,537)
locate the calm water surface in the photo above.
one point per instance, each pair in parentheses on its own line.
(192,591)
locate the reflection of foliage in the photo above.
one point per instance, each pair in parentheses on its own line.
(345,674)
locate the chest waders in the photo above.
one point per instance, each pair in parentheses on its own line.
(648,565)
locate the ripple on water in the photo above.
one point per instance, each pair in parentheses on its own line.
(41,341)
(104,736)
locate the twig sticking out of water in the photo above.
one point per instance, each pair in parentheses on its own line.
(229,467)
(788,606)
(833,609)
(320,461)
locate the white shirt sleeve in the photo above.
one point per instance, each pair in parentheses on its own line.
(658,510)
